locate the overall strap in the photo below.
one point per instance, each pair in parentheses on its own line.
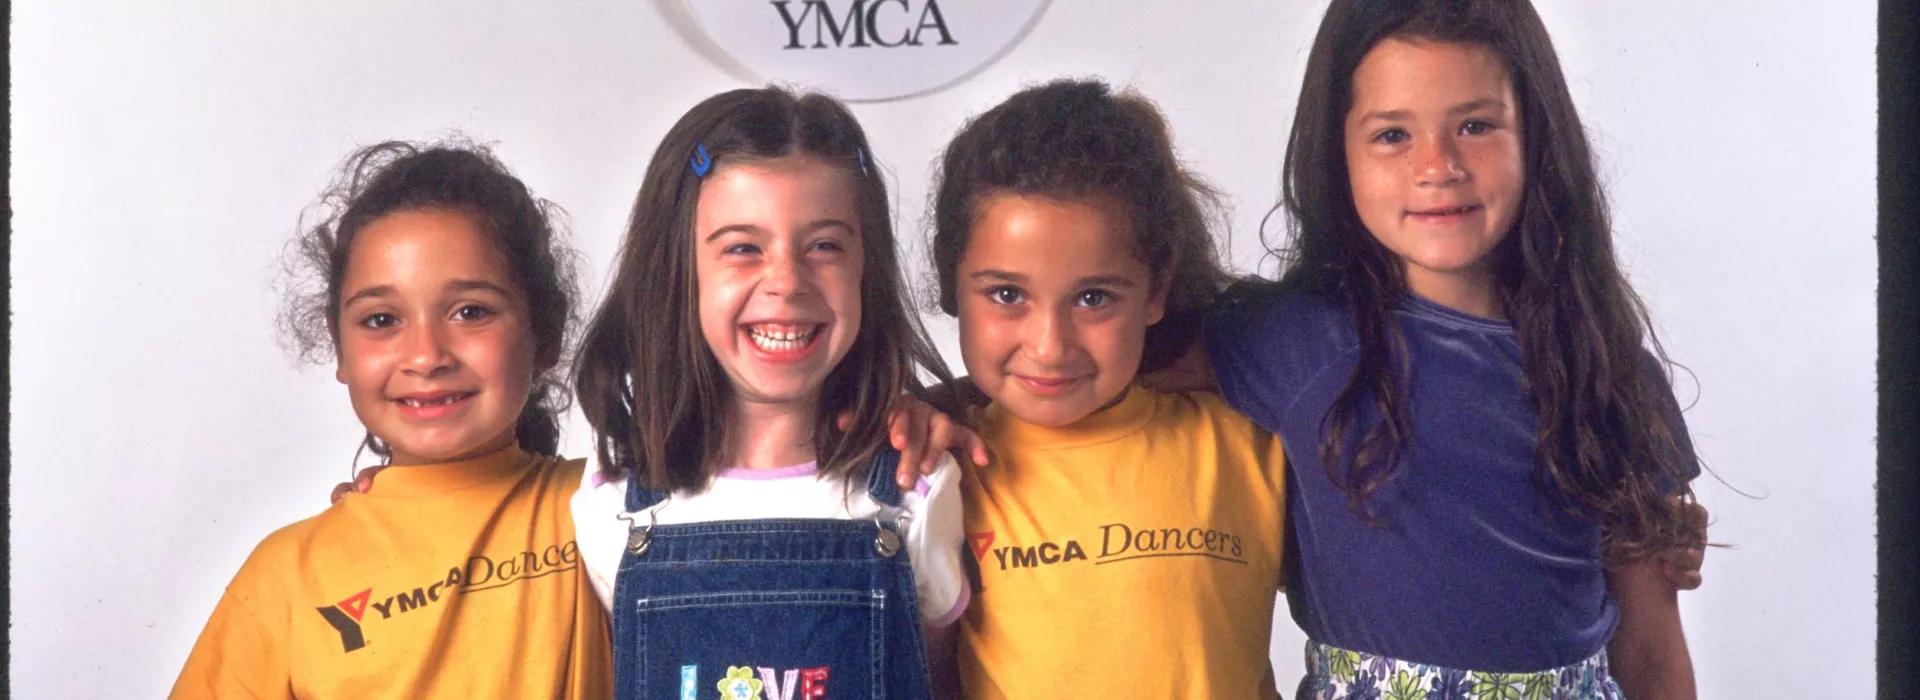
(880,483)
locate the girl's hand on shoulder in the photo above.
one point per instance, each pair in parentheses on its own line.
(362,483)
(1681,564)
(921,433)
(1678,565)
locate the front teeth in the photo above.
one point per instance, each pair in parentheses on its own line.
(449,398)
(781,338)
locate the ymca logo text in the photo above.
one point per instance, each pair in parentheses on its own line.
(481,573)
(863,24)
(1118,542)
(862,50)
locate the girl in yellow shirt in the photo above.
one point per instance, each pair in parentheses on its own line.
(1128,542)
(441,292)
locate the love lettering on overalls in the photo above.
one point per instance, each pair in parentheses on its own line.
(740,683)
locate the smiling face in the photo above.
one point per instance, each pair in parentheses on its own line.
(435,346)
(1053,306)
(778,257)
(1434,157)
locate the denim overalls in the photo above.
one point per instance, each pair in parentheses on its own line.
(783,609)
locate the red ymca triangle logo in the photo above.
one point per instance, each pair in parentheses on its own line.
(981,542)
(357,604)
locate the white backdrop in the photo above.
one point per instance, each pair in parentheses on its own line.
(163,151)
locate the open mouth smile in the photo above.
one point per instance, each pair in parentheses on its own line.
(433,405)
(784,340)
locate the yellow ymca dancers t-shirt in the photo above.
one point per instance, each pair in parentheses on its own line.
(1134,554)
(455,580)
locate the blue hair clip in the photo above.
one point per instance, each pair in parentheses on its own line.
(700,161)
(860,156)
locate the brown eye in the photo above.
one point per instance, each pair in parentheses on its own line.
(1006,295)
(1095,298)
(472,312)
(378,321)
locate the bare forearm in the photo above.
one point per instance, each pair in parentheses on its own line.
(1652,673)
(1648,654)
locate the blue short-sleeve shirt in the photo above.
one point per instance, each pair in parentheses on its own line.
(1470,567)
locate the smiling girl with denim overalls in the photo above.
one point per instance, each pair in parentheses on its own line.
(748,546)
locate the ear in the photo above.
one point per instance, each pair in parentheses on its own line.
(339,361)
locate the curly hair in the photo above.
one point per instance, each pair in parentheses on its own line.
(451,175)
(1076,139)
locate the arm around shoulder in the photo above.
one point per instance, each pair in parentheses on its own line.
(934,541)
(1648,653)
(598,530)
(1191,371)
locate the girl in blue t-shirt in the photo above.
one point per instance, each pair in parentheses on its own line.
(1485,453)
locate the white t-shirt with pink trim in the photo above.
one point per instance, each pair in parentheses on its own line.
(933,529)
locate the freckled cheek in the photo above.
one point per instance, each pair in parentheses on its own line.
(1375,192)
(1502,184)
(1498,166)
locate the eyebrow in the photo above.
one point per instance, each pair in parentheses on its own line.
(1106,281)
(382,290)
(468,285)
(1093,281)
(998,276)
(459,285)
(1463,108)
(752,229)
(1477,105)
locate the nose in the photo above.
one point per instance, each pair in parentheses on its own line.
(426,350)
(1050,338)
(787,275)
(1437,162)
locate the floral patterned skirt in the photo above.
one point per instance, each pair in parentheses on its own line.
(1341,674)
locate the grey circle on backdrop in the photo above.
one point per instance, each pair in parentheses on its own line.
(865,50)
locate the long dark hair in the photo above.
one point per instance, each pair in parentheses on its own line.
(648,383)
(1595,373)
(451,175)
(1076,139)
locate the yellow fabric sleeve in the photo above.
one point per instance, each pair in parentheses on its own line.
(238,655)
